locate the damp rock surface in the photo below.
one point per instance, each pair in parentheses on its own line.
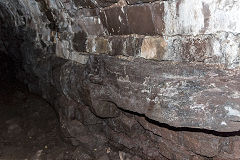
(146,79)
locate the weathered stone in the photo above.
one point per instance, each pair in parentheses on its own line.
(153,48)
(210,18)
(139,1)
(84,3)
(79,41)
(140,20)
(80,58)
(91,25)
(97,45)
(106,3)
(200,49)
(125,45)
(88,117)
(184,107)
(115,20)
(157,10)
(203,48)
(177,96)
(84,12)
(124,124)
(105,109)
(118,45)
(62,49)
(230,148)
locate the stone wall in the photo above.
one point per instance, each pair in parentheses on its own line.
(155,79)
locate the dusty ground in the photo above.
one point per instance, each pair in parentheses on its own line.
(28,127)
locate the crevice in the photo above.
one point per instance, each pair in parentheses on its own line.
(184,129)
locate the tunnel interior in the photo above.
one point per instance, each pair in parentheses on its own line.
(119,80)
(29,125)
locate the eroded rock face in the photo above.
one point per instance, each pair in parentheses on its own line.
(155,79)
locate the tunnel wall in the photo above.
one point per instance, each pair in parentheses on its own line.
(157,79)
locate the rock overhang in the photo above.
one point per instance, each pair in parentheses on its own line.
(189,87)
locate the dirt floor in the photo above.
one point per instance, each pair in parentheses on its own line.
(29,127)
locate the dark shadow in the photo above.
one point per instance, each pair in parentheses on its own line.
(184,129)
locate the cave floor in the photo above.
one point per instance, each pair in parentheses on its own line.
(28,126)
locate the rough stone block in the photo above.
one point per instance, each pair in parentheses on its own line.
(140,20)
(157,10)
(97,45)
(147,19)
(139,1)
(125,45)
(153,48)
(115,20)
(79,41)
(62,49)
(84,3)
(201,17)
(91,25)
